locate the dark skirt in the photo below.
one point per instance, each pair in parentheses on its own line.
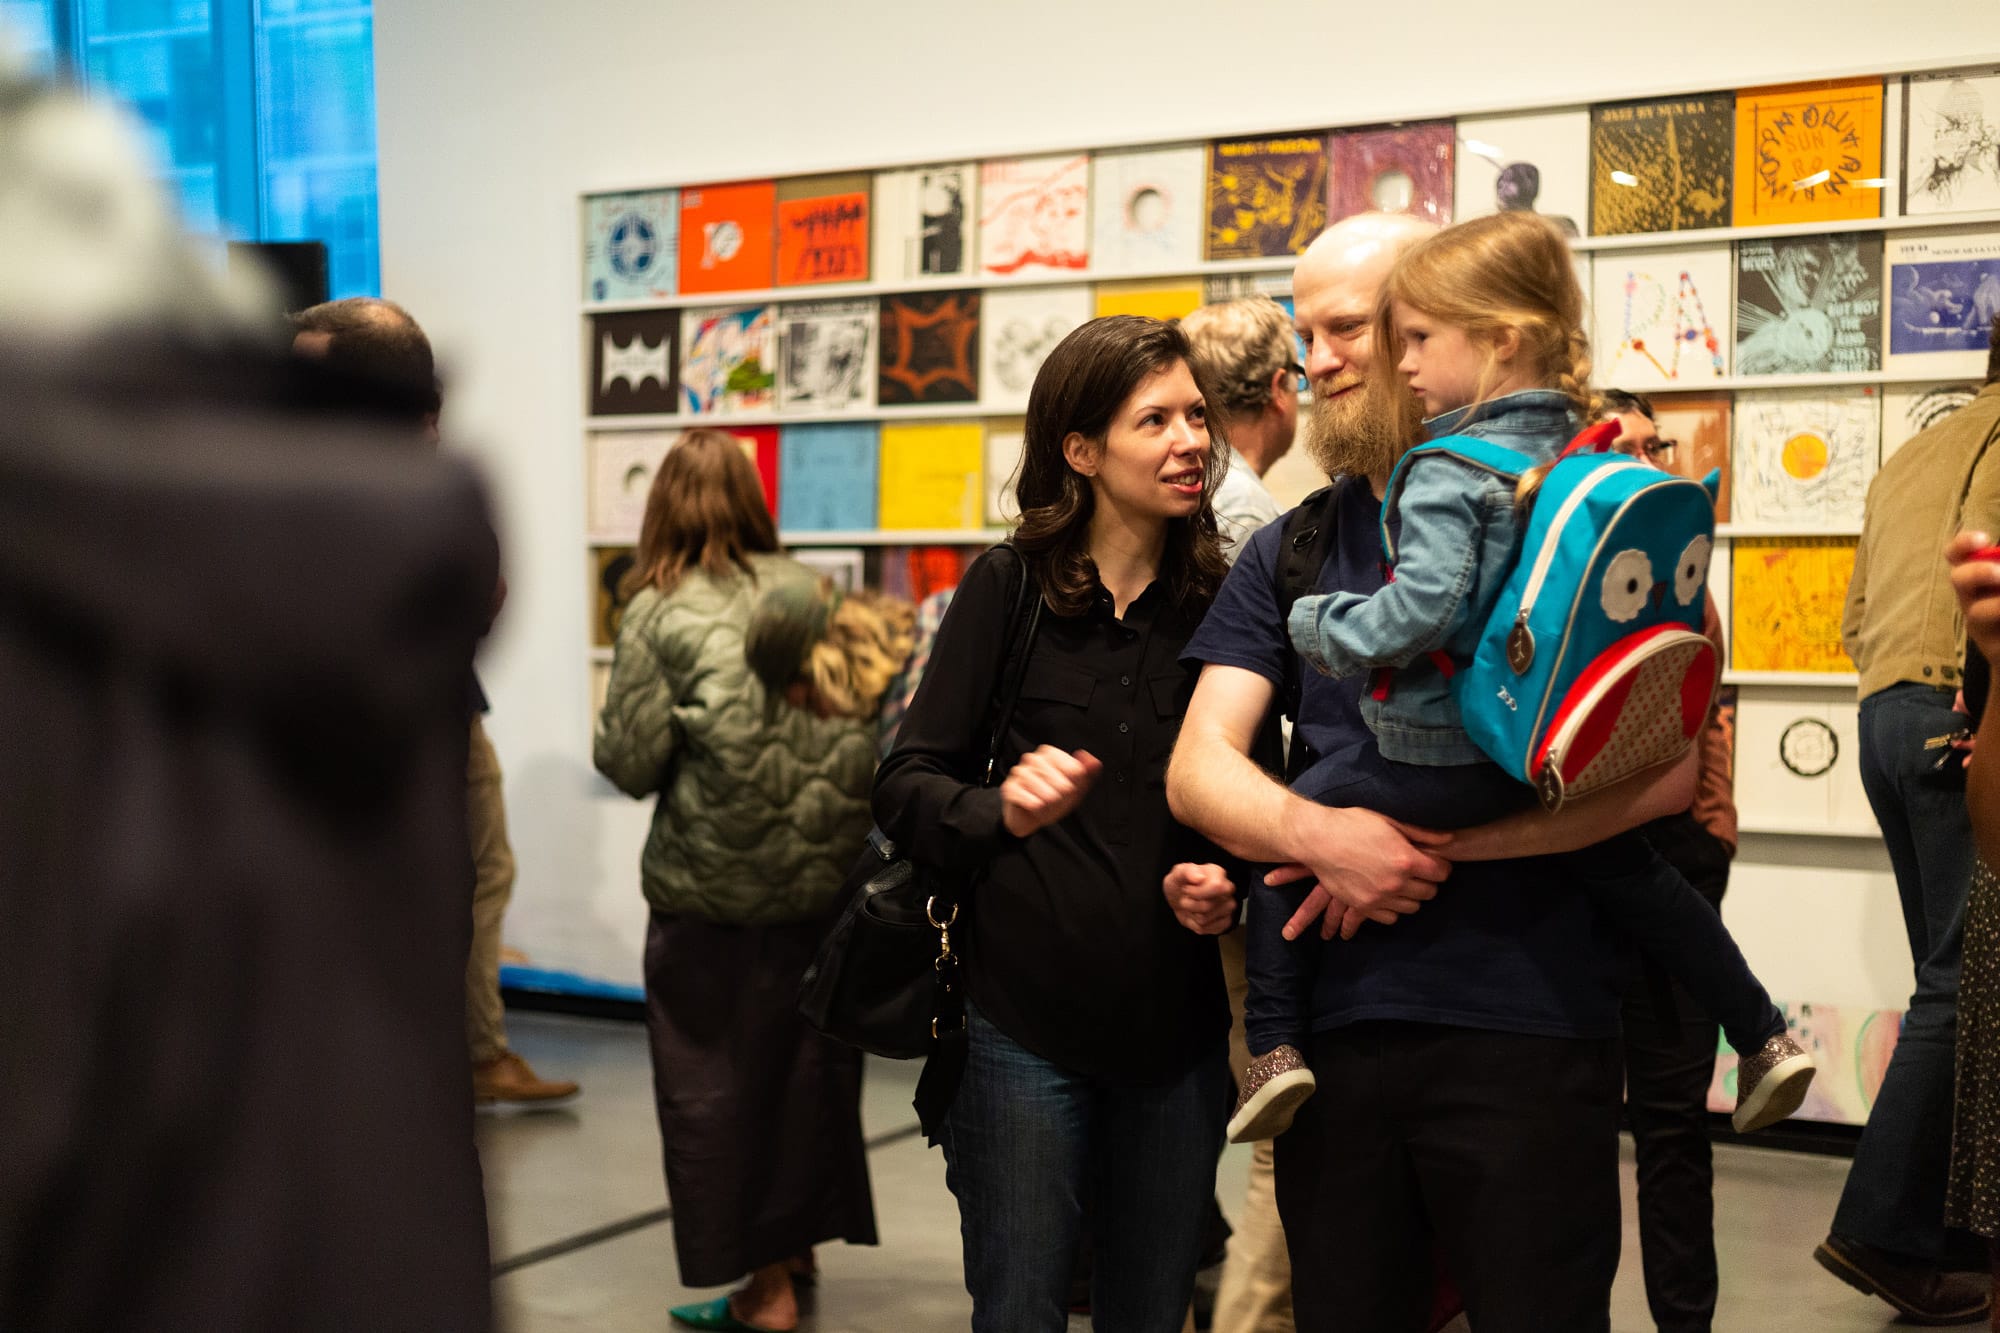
(1972,1198)
(760,1116)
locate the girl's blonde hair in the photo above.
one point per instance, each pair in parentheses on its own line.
(868,639)
(1489,275)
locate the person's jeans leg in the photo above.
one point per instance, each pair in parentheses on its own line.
(1670,1049)
(1894,1199)
(1514,1143)
(493,885)
(1354,1223)
(1153,1151)
(1016,1146)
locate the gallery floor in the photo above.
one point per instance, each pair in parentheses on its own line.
(581,1239)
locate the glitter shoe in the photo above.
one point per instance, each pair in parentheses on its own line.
(1770,1083)
(1273,1088)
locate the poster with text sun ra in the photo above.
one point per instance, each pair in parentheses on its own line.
(1944,292)
(1662,165)
(1034,215)
(1662,317)
(1804,457)
(1786,599)
(1804,151)
(1809,304)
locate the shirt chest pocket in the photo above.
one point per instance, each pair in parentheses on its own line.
(1171,692)
(1058,683)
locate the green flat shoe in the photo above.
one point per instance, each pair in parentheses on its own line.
(714,1314)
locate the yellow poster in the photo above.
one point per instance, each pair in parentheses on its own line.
(931,476)
(1148,298)
(1809,152)
(1787,596)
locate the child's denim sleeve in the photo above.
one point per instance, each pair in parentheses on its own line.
(1445,508)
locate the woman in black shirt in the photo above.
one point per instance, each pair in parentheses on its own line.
(1096,1023)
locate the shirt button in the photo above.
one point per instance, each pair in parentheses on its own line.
(1927,671)
(1124,727)
(1124,680)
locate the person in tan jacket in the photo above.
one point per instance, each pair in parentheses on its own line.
(1906,635)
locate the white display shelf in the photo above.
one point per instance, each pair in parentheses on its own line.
(1832,680)
(1733,530)
(1789,829)
(899,537)
(1214,268)
(838,291)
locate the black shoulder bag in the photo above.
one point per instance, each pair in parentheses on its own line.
(886,979)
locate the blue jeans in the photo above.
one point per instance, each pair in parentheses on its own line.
(1894,1198)
(1024,1142)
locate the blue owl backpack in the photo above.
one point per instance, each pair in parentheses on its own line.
(1593,665)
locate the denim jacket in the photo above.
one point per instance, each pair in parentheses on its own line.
(1457,531)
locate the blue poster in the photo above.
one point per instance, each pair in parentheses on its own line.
(826,478)
(1943,307)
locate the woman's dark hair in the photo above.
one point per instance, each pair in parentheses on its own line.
(1078,391)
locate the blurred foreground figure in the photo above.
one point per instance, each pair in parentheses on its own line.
(234,638)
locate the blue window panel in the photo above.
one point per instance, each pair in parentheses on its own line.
(27,28)
(316,121)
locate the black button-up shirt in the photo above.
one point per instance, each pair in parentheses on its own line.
(1070,947)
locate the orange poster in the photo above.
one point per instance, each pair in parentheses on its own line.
(823,229)
(726,237)
(1809,152)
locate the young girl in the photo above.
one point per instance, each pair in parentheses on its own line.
(1487,315)
(829,652)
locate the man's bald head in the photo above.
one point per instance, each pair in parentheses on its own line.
(1334,288)
(374,344)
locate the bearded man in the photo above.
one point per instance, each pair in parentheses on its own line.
(1466,1053)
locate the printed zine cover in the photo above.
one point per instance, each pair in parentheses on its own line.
(1806,304)
(1146,210)
(622,466)
(929,348)
(760,446)
(1943,294)
(631,245)
(1006,441)
(1662,317)
(827,478)
(1266,197)
(1798,761)
(823,229)
(608,567)
(1909,409)
(1951,142)
(1034,215)
(827,356)
(1017,331)
(1151,299)
(1804,457)
(1395,169)
(1786,599)
(1663,165)
(1804,151)
(632,361)
(726,237)
(930,476)
(1698,424)
(926,222)
(1531,164)
(730,361)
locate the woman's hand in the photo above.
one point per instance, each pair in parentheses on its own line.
(1202,897)
(1977,583)
(1044,787)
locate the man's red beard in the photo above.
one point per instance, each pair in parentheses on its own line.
(1359,431)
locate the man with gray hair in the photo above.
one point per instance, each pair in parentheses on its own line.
(1244,357)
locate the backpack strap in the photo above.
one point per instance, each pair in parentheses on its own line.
(1303,545)
(1495,458)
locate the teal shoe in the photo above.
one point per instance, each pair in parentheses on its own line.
(714,1314)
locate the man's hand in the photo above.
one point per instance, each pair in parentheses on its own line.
(1044,787)
(1373,867)
(1202,896)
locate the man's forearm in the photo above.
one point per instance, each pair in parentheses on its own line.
(1225,796)
(1637,800)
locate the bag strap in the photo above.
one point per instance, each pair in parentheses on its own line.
(1303,546)
(1022,622)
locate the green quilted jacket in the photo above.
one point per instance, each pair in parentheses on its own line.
(759,818)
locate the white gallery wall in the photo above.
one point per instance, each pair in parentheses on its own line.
(494,118)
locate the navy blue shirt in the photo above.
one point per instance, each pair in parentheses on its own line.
(1511,946)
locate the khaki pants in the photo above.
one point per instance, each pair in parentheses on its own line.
(1256,1291)
(493,885)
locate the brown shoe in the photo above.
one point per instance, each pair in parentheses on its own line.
(1920,1293)
(509,1081)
